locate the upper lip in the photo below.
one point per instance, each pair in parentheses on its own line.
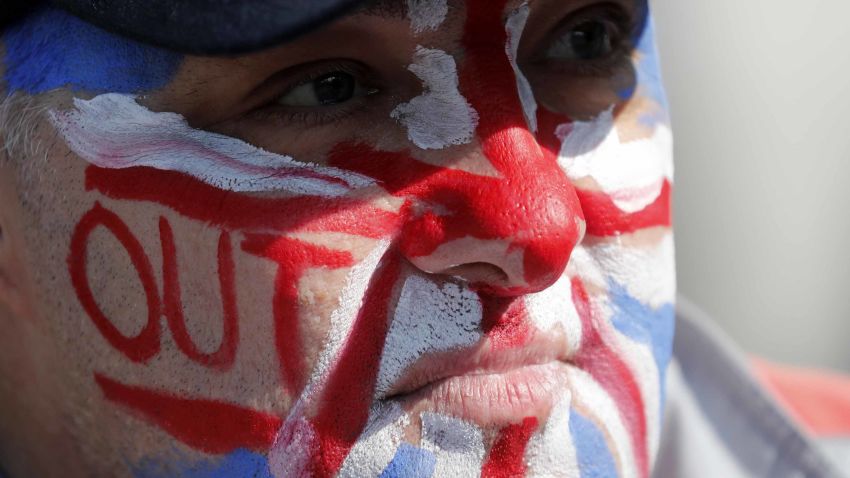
(480,359)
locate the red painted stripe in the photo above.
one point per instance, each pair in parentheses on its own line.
(505,321)
(604,218)
(222,359)
(207,425)
(613,375)
(347,396)
(239,211)
(146,344)
(507,456)
(818,400)
(293,257)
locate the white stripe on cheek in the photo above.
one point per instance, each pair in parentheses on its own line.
(343,317)
(457,445)
(514,28)
(440,117)
(590,399)
(648,272)
(426,14)
(428,319)
(554,306)
(631,173)
(550,451)
(376,446)
(114,131)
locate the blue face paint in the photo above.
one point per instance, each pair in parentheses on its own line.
(240,463)
(649,82)
(51,49)
(649,68)
(593,453)
(642,323)
(410,462)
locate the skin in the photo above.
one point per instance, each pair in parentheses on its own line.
(56,420)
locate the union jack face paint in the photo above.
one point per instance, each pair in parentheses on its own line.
(413,316)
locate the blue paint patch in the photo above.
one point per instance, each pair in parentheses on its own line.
(627,92)
(410,462)
(642,323)
(649,67)
(649,80)
(592,451)
(50,49)
(238,464)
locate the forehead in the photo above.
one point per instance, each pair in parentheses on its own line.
(52,49)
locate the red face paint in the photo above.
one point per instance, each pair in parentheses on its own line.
(206,425)
(293,257)
(506,458)
(144,346)
(531,206)
(223,357)
(603,363)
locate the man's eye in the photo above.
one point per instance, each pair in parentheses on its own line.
(590,39)
(329,89)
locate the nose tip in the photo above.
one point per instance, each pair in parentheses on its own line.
(505,236)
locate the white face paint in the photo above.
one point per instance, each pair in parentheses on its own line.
(426,14)
(428,319)
(554,307)
(376,446)
(592,401)
(514,28)
(630,173)
(550,452)
(440,117)
(114,131)
(457,445)
(647,272)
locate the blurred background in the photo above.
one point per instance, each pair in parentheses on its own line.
(760,99)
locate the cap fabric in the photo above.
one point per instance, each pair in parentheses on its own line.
(204,27)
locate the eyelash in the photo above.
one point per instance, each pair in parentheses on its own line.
(318,116)
(622,44)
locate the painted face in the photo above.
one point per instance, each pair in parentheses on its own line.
(437,244)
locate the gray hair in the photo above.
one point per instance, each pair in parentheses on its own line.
(20,118)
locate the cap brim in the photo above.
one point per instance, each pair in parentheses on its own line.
(209,27)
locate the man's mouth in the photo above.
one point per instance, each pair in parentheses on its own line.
(486,386)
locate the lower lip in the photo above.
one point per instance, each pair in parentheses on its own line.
(493,399)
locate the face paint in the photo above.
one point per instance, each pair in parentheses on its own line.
(50,49)
(112,131)
(441,116)
(380,448)
(426,14)
(514,27)
(551,451)
(632,174)
(428,319)
(418,370)
(457,445)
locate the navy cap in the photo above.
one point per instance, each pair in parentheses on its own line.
(203,27)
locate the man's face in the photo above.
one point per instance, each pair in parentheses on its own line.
(427,240)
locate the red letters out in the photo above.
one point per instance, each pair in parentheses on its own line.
(146,344)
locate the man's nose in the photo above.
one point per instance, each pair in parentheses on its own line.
(513,233)
(507,234)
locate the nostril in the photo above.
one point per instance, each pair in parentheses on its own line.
(478,272)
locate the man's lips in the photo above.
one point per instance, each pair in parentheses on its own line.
(488,386)
(493,399)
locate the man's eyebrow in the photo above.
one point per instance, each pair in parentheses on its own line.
(396,9)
